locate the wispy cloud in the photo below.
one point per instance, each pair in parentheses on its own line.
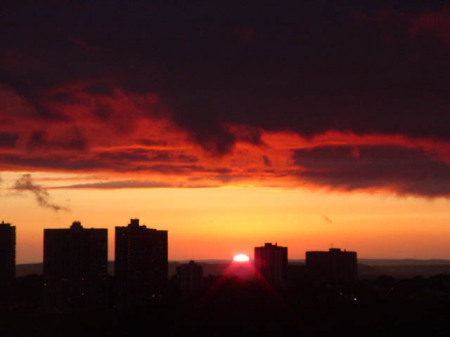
(327,219)
(119,184)
(123,184)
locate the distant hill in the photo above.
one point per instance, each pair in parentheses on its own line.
(403,262)
(215,268)
(402,271)
(367,268)
(29,268)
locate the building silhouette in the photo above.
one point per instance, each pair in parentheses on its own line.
(334,266)
(272,263)
(7,259)
(75,268)
(190,278)
(141,264)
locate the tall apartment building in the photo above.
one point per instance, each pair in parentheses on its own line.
(7,259)
(272,263)
(75,268)
(332,266)
(141,264)
(190,277)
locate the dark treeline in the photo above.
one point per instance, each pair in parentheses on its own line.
(232,306)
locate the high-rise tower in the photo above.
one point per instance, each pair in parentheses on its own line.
(272,261)
(332,266)
(141,264)
(75,267)
(190,277)
(7,258)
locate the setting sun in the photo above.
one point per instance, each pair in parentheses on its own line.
(241,258)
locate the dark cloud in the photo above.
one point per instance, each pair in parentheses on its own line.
(55,162)
(123,157)
(25,184)
(134,156)
(100,88)
(64,97)
(187,159)
(152,142)
(402,170)
(8,140)
(435,22)
(130,161)
(249,134)
(267,161)
(224,73)
(228,178)
(103,111)
(306,67)
(161,156)
(71,139)
(175,169)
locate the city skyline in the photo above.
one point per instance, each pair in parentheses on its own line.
(247,252)
(314,124)
(271,296)
(235,244)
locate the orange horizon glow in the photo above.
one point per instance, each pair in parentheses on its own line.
(260,197)
(217,223)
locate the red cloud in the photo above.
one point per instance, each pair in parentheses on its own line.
(435,22)
(179,102)
(130,136)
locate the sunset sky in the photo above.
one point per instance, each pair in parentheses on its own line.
(308,123)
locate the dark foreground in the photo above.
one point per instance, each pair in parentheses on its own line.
(236,307)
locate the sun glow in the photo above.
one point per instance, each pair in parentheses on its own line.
(241,258)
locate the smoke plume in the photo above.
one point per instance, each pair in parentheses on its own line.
(25,184)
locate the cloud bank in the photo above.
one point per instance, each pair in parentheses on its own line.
(230,93)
